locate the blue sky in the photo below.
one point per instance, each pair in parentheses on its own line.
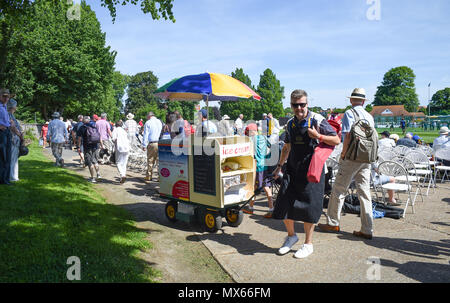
(325,47)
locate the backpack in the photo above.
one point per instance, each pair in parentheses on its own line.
(363,146)
(92,135)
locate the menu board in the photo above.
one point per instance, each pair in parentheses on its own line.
(204,174)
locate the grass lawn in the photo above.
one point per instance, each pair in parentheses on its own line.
(52,214)
(427,136)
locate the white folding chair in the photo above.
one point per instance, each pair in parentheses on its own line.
(413,178)
(442,154)
(401,150)
(423,167)
(394,169)
(386,154)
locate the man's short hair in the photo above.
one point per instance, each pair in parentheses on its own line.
(103,115)
(80,117)
(119,123)
(86,119)
(298,94)
(150,114)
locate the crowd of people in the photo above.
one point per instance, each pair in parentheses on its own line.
(298,199)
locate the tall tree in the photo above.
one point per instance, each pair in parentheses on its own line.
(440,102)
(398,88)
(245,107)
(59,64)
(140,96)
(272,94)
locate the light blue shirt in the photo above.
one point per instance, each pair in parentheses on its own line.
(152,131)
(4,116)
(349,119)
(57,131)
(439,142)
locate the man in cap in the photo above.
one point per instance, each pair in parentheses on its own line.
(205,127)
(5,139)
(440,141)
(152,132)
(385,141)
(57,135)
(349,170)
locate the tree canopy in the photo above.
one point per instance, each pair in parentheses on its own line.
(56,64)
(272,94)
(440,102)
(245,107)
(156,8)
(398,88)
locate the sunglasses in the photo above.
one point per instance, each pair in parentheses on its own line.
(296,105)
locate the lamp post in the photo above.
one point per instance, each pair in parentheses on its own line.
(429,101)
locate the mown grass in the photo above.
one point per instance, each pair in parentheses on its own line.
(427,136)
(52,214)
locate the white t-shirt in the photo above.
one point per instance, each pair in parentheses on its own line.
(386,143)
(121,137)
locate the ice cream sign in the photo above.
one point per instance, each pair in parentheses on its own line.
(233,150)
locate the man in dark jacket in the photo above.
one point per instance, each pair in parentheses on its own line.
(89,149)
(407,141)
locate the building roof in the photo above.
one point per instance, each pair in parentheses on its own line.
(393,111)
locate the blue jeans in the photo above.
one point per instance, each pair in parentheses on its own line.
(5,156)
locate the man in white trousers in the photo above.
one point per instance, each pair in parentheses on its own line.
(120,138)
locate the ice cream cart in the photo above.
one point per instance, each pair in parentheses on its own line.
(206,179)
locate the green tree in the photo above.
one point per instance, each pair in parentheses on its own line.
(245,107)
(440,102)
(398,88)
(272,94)
(156,8)
(369,108)
(59,64)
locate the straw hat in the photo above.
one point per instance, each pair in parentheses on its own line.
(225,117)
(444,130)
(358,93)
(130,116)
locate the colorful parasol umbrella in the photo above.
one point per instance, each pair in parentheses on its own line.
(207,87)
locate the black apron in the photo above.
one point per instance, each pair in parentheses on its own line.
(298,199)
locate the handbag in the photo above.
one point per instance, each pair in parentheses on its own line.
(41,142)
(321,153)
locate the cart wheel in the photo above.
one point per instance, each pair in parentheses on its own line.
(171,210)
(212,221)
(234,217)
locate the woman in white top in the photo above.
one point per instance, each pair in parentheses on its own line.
(120,138)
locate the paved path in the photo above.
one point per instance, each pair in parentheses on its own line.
(414,249)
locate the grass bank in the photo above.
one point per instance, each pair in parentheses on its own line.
(52,214)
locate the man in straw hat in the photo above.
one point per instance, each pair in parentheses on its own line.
(440,141)
(349,170)
(5,139)
(57,135)
(131,127)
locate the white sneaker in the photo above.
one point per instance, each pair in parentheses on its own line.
(92,180)
(288,243)
(304,251)
(99,176)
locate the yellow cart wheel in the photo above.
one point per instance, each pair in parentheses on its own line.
(171,210)
(212,221)
(234,218)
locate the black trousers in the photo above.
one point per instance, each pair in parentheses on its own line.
(5,156)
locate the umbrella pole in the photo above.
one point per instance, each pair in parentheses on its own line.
(207,115)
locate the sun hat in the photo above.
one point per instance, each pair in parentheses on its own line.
(394,137)
(443,130)
(46,123)
(358,93)
(130,116)
(225,117)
